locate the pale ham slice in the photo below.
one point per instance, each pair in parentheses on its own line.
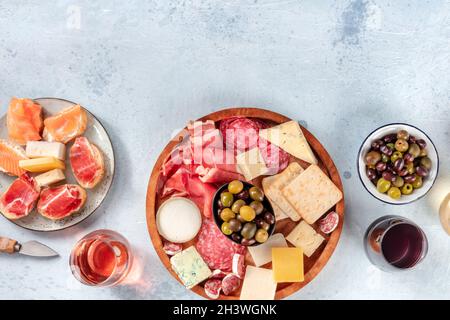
(20,198)
(215,175)
(87,163)
(62,201)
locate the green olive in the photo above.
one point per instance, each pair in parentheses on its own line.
(401,145)
(235,225)
(226,228)
(247,213)
(426,163)
(410,167)
(256,194)
(390,145)
(237,205)
(407,189)
(396,155)
(265,226)
(403,134)
(226,198)
(257,206)
(383,185)
(414,149)
(373,157)
(226,214)
(398,182)
(384,158)
(235,186)
(423,153)
(248,230)
(418,182)
(394,193)
(261,235)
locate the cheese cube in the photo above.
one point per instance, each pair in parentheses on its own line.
(39,149)
(50,177)
(258,284)
(251,164)
(262,253)
(41,164)
(305,237)
(190,267)
(287,264)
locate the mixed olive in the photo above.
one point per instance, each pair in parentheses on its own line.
(397,164)
(243,215)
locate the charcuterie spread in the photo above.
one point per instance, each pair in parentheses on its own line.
(34,152)
(243,206)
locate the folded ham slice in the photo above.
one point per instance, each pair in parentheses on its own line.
(62,201)
(20,198)
(215,175)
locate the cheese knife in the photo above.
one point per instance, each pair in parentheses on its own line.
(30,248)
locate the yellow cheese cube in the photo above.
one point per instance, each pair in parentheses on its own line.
(41,164)
(287,264)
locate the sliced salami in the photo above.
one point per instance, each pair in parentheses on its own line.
(238,266)
(215,248)
(276,159)
(218,274)
(240,133)
(213,287)
(171,248)
(329,223)
(230,284)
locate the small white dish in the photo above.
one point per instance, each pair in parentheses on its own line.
(97,134)
(427,182)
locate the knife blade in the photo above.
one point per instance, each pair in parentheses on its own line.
(30,248)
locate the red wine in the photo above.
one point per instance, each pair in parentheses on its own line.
(402,245)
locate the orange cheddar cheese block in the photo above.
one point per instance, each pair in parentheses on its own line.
(287,265)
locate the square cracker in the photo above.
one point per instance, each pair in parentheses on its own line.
(312,194)
(273,185)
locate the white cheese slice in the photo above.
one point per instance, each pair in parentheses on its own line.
(289,137)
(444,213)
(51,177)
(305,237)
(262,253)
(251,164)
(38,149)
(258,284)
(178,220)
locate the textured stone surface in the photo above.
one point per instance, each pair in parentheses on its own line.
(342,68)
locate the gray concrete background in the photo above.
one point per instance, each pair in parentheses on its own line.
(146,67)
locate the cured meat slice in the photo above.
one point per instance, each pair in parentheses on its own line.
(215,175)
(202,194)
(276,159)
(10,155)
(230,284)
(87,163)
(176,183)
(218,274)
(20,198)
(62,201)
(24,120)
(238,265)
(198,128)
(240,133)
(215,248)
(171,248)
(66,125)
(329,223)
(218,158)
(213,287)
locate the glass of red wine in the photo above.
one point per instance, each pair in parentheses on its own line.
(395,243)
(101,258)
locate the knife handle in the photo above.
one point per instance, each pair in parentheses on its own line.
(7,245)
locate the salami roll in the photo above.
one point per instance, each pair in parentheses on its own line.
(230,283)
(329,223)
(212,288)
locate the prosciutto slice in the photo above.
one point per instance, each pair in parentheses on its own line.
(62,201)
(20,198)
(215,175)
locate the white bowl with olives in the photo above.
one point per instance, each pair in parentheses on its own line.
(398,163)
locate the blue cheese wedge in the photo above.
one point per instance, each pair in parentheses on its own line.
(251,164)
(289,137)
(190,267)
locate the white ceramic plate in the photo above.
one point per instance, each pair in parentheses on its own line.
(97,134)
(427,182)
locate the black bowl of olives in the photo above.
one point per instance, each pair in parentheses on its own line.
(398,163)
(243,213)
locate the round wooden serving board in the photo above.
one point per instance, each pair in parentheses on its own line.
(312,265)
